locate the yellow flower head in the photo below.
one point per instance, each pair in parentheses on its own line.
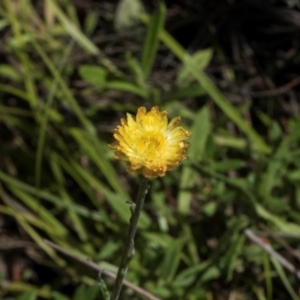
(150,144)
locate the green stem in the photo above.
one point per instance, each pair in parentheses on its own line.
(128,250)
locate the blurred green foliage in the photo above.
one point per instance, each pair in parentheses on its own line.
(59,181)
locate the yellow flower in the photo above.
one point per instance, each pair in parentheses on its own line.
(150,144)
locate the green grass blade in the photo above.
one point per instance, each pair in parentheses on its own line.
(33,233)
(31,220)
(277,161)
(14,91)
(284,278)
(258,292)
(200,131)
(40,211)
(59,176)
(97,150)
(202,59)
(192,91)
(55,73)
(80,181)
(283,225)
(72,29)
(30,295)
(18,286)
(58,296)
(150,47)
(44,120)
(94,215)
(172,259)
(126,87)
(268,276)
(23,57)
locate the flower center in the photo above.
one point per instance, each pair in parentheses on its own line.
(151,145)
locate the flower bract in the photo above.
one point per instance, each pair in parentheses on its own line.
(149,143)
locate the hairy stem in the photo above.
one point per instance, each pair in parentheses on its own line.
(128,250)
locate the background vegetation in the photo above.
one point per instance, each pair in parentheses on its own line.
(71,69)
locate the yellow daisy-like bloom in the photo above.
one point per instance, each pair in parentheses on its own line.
(150,144)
